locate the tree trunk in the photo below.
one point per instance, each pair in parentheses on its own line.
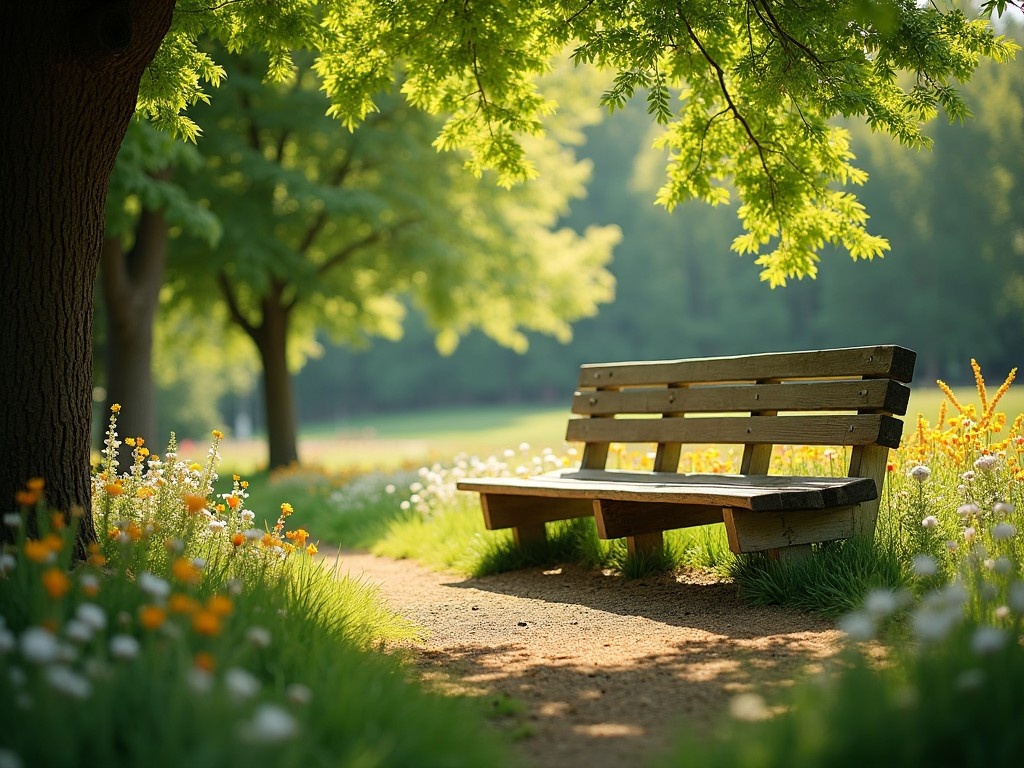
(131,290)
(68,94)
(272,341)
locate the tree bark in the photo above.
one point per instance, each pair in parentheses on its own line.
(131,284)
(272,341)
(67,97)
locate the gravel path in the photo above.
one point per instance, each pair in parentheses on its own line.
(606,669)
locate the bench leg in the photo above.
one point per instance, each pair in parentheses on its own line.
(529,535)
(792,554)
(645,544)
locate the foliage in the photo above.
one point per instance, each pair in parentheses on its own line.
(191,637)
(756,87)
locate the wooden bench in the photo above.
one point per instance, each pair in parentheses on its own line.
(834,397)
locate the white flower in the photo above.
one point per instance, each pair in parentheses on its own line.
(930,522)
(1004,531)
(78,631)
(858,626)
(154,585)
(1002,508)
(269,724)
(880,602)
(7,640)
(247,516)
(199,563)
(1002,612)
(39,645)
(389,488)
(1002,565)
(253,534)
(524,447)
(299,694)
(967,510)
(258,636)
(69,683)
(925,565)
(92,615)
(987,640)
(1016,598)
(989,564)
(969,533)
(968,476)
(920,473)
(10,759)
(7,563)
(12,520)
(217,525)
(986,463)
(240,683)
(124,647)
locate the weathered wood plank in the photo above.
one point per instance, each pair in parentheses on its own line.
(854,429)
(755,492)
(508,511)
(616,519)
(882,395)
(870,362)
(761,531)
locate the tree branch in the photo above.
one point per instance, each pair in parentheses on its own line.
(231,299)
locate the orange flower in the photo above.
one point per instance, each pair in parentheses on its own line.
(179,603)
(311,550)
(298,536)
(56,583)
(26,498)
(238,539)
(37,550)
(36,484)
(114,489)
(204,661)
(57,521)
(206,622)
(194,503)
(152,616)
(219,605)
(185,571)
(233,501)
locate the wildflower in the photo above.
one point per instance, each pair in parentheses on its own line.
(968,476)
(233,501)
(92,615)
(1016,598)
(299,694)
(238,539)
(217,525)
(1002,612)
(185,571)
(299,536)
(880,602)
(930,522)
(39,646)
(69,683)
(56,583)
(90,583)
(179,603)
(1002,565)
(114,489)
(1004,531)
(920,473)
(199,680)
(154,585)
(241,684)
(217,434)
(12,520)
(78,631)
(253,534)
(286,509)
(968,510)
(858,626)
(987,640)
(124,647)
(925,565)
(152,617)
(96,558)
(219,605)
(7,640)
(970,533)
(258,636)
(269,724)
(10,759)
(311,550)
(206,622)
(1003,508)
(42,550)
(7,563)
(986,463)
(115,408)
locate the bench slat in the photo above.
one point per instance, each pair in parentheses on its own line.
(886,361)
(756,493)
(864,395)
(863,429)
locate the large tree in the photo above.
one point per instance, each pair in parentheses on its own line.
(759,81)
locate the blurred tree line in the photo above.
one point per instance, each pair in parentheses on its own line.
(952,286)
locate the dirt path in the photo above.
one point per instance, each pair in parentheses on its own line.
(607,669)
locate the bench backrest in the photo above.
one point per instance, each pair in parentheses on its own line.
(832,397)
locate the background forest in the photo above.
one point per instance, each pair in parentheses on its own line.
(951,287)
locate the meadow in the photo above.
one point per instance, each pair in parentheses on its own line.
(201,629)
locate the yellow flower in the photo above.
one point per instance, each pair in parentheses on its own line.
(311,550)
(40,550)
(195,466)
(286,509)
(145,492)
(152,616)
(114,488)
(194,502)
(130,442)
(217,434)
(37,483)
(298,536)
(56,583)
(115,408)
